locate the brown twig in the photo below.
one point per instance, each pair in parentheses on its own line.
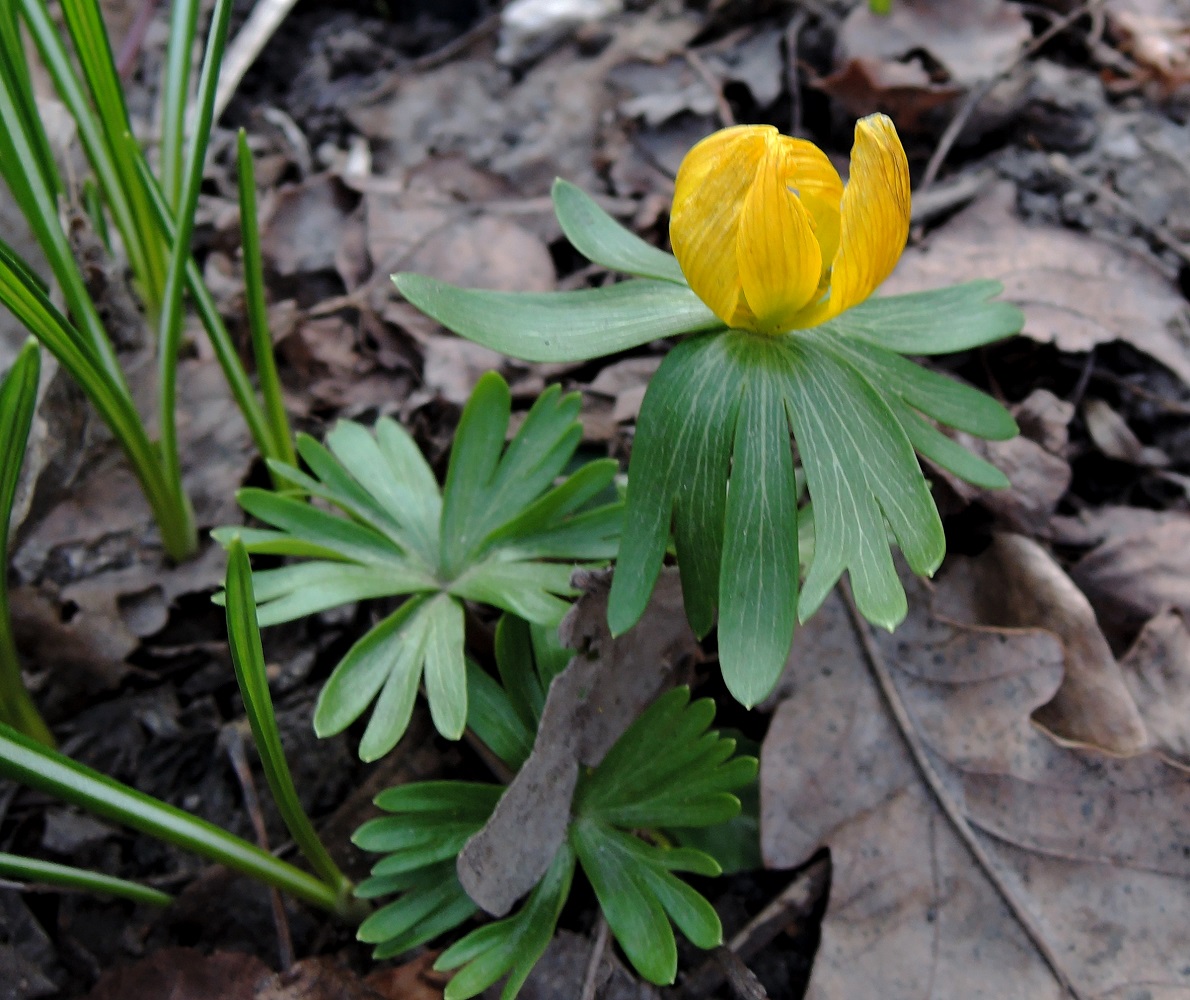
(1061,166)
(131,46)
(591,979)
(457,46)
(795,902)
(946,802)
(982,89)
(239,763)
(722,108)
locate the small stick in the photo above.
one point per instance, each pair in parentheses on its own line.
(591,979)
(953,811)
(979,92)
(792,74)
(740,978)
(239,763)
(1061,166)
(793,903)
(722,108)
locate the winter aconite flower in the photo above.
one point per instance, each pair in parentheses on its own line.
(770,239)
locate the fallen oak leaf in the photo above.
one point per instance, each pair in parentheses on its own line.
(972,855)
(1018,584)
(1157,672)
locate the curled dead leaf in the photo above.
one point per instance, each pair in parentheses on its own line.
(589,706)
(973,856)
(1018,584)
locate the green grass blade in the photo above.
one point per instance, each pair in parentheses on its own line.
(208,312)
(13,866)
(175,89)
(29,763)
(258,319)
(104,132)
(24,296)
(247,656)
(12,56)
(170,331)
(36,193)
(18,398)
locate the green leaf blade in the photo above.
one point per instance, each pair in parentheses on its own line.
(601,239)
(759,576)
(562,326)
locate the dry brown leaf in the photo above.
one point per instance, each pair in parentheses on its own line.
(1157,672)
(415,980)
(320,978)
(589,706)
(1091,854)
(1135,575)
(1017,584)
(903,90)
(303,224)
(184,974)
(1076,291)
(1034,463)
(1156,33)
(914,62)
(1115,439)
(972,40)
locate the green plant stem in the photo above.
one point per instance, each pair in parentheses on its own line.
(221,343)
(170,332)
(247,655)
(175,86)
(23,295)
(67,877)
(24,761)
(258,319)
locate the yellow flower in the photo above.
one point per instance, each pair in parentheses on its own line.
(768,237)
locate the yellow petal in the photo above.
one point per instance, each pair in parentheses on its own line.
(816,182)
(875,219)
(709,194)
(780,262)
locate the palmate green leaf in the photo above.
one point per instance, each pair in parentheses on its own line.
(562,326)
(639,895)
(678,471)
(602,240)
(511,946)
(525,588)
(689,784)
(432,902)
(861,471)
(728,401)
(394,534)
(504,714)
(424,816)
(758,579)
